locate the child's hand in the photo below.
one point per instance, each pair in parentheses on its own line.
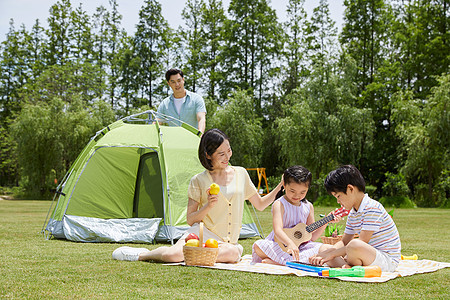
(212,199)
(322,259)
(336,218)
(293,250)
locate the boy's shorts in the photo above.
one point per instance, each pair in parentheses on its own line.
(384,261)
(207,234)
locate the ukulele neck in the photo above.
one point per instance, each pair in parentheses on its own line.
(320,223)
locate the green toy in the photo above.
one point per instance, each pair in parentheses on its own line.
(357,271)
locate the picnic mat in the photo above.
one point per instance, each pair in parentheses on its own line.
(405,268)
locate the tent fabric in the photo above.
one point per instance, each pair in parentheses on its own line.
(135,230)
(131,175)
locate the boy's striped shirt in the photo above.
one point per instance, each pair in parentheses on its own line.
(371,216)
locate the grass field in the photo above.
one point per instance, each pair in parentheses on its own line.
(35,268)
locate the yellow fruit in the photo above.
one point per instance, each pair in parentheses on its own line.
(214,189)
(211,243)
(193,243)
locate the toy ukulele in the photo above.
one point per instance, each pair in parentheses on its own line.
(301,233)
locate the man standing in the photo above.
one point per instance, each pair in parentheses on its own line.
(183,105)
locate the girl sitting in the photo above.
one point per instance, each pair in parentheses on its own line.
(288,211)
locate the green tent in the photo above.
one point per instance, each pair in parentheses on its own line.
(129,184)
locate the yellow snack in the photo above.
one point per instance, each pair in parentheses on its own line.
(214,189)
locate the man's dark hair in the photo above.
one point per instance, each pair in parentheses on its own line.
(210,141)
(171,72)
(339,179)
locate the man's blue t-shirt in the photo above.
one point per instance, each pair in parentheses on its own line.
(192,105)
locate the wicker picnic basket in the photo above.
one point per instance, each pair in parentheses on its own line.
(333,240)
(200,256)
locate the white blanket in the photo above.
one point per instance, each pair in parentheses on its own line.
(405,268)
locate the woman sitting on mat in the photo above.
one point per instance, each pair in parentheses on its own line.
(221,214)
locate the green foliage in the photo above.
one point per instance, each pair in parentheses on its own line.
(50,135)
(424,129)
(333,229)
(193,41)
(252,36)
(395,185)
(376,98)
(239,120)
(443,189)
(319,129)
(397,201)
(8,158)
(326,200)
(273,181)
(370,190)
(151,44)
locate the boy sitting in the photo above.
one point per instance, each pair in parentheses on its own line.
(379,241)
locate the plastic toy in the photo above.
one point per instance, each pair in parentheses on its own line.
(412,257)
(357,271)
(305,267)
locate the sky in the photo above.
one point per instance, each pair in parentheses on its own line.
(27,11)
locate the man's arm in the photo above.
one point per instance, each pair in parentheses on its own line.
(201,119)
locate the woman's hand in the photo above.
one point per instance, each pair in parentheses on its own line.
(212,199)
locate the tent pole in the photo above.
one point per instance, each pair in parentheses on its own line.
(259,224)
(48,213)
(167,184)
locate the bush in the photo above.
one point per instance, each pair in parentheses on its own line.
(397,201)
(370,190)
(395,185)
(273,181)
(326,200)
(443,189)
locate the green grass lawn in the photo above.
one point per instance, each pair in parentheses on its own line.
(34,268)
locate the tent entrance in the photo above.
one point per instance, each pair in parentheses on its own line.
(148,196)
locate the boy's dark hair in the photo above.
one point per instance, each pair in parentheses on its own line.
(339,179)
(171,72)
(210,141)
(296,174)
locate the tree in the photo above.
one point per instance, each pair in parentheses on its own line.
(107,38)
(57,49)
(35,49)
(322,128)
(240,121)
(320,40)
(295,62)
(128,69)
(252,47)
(422,38)
(151,42)
(14,72)
(366,37)
(424,127)
(57,119)
(19,63)
(8,157)
(213,19)
(80,36)
(192,38)
(49,136)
